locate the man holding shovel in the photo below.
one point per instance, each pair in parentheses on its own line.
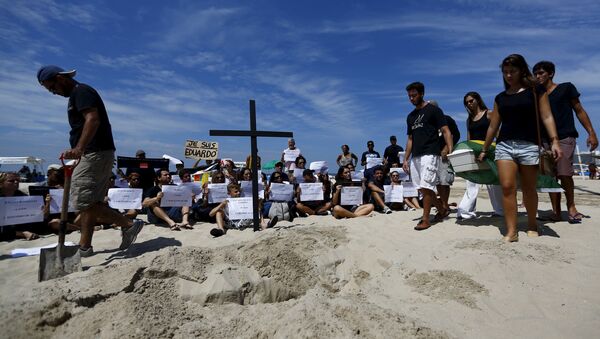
(92,142)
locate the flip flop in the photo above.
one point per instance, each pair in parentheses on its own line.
(440,217)
(575,218)
(175,227)
(421,226)
(187,226)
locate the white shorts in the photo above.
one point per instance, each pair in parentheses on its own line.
(445,174)
(424,171)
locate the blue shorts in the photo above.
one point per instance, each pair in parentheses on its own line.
(519,151)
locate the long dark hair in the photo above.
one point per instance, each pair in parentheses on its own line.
(480,103)
(518,61)
(339,176)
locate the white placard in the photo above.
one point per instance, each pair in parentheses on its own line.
(217,193)
(401,157)
(298,175)
(311,191)
(403,175)
(372,162)
(409,189)
(195,187)
(351,195)
(357,175)
(240,208)
(125,198)
(247,189)
(21,210)
(23,252)
(393,193)
(176,196)
(290,154)
(56,202)
(281,192)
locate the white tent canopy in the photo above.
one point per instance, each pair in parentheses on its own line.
(20,161)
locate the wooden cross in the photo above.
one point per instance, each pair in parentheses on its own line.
(253,134)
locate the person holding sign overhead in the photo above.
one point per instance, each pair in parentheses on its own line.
(289,155)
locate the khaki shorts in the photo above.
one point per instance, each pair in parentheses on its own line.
(445,174)
(89,183)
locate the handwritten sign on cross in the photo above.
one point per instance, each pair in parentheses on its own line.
(253,134)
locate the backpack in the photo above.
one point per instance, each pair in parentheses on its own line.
(280,209)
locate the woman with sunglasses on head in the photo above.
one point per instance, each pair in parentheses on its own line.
(517,152)
(477,126)
(344,178)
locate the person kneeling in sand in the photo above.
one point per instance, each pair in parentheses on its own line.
(344,177)
(221,213)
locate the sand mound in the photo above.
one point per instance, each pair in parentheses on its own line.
(281,284)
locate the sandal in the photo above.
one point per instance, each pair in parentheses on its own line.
(422,226)
(575,218)
(439,217)
(187,226)
(514,238)
(175,227)
(273,222)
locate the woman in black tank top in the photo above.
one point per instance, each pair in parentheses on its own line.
(478,121)
(477,125)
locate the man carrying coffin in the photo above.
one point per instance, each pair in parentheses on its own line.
(92,142)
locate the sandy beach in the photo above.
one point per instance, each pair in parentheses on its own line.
(371,277)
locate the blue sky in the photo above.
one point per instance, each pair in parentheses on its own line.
(332,72)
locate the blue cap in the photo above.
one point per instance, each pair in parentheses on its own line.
(50,71)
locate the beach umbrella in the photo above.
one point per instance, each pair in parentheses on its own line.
(270,165)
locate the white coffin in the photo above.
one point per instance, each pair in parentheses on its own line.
(464,160)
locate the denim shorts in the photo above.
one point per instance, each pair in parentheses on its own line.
(519,151)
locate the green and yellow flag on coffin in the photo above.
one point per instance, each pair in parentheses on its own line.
(490,176)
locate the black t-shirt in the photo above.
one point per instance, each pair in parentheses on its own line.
(391,153)
(478,129)
(423,124)
(84,97)
(453,129)
(518,116)
(152,192)
(562,110)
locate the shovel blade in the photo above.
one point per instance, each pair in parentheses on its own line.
(55,265)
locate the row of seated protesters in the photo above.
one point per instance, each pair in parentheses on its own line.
(177,218)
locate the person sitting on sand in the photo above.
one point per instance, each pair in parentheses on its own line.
(344,177)
(221,213)
(175,217)
(202,208)
(9,187)
(318,207)
(377,192)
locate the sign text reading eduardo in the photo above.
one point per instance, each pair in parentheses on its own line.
(195,149)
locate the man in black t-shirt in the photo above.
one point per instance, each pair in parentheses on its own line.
(92,142)
(423,124)
(564,99)
(369,153)
(390,155)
